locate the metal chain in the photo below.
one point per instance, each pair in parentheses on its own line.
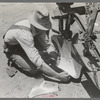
(88,9)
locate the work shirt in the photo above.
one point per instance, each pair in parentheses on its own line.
(25,37)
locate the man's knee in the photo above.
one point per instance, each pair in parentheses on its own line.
(23,63)
(54,37)
(57,38)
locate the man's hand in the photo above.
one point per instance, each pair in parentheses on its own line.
(54,55)
(52,62)
(63,76)
(46,69)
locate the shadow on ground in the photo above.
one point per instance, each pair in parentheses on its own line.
(91,89)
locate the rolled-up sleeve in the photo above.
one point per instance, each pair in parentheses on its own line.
(26,41)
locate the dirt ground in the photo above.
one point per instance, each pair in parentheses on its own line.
(20,85)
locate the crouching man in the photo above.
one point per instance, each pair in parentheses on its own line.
(24,41)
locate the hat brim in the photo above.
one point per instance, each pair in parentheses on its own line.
(33,21)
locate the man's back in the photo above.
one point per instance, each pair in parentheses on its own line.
(23,23)
(14,31)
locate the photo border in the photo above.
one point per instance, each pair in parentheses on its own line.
(49,1)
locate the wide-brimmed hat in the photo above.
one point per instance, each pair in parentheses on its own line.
(40,18)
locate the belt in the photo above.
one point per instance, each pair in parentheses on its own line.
(20,27)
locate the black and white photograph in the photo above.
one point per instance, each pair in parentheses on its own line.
(50,50)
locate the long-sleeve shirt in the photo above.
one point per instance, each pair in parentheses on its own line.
(26,39)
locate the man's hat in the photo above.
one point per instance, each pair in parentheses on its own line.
(40,18)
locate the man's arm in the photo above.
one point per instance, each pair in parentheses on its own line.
(26,41)
(63,76)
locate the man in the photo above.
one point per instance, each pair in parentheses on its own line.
(23,39)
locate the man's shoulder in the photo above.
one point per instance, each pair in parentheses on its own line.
(23,23)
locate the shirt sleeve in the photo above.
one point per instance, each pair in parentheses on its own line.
(26,41)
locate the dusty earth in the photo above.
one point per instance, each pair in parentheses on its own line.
(20,85)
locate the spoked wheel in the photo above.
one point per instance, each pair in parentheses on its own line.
(92,74)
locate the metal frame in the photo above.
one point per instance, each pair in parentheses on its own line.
(87,41)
